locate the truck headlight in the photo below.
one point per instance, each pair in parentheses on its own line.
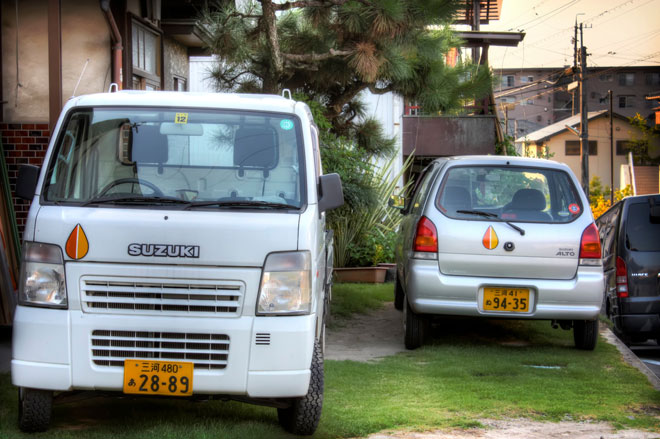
(286,284)
(42,276)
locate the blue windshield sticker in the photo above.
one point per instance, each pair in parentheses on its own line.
(286,124)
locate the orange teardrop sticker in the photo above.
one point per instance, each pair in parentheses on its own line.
(77,244)
(490,240)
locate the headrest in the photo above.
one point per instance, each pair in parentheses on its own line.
(528,199)
(457,198)
(149,145)
(255,146)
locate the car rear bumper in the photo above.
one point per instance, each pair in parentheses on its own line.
(431,292)
(639,316)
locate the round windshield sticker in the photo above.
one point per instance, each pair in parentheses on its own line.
(286,124)
(574,208)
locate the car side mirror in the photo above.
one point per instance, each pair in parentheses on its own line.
(26,182)
(397,202)
(331,194)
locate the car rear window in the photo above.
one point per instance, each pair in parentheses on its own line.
(510,192)
(642,233)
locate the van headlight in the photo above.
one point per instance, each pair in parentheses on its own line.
(286,284)
(42,276)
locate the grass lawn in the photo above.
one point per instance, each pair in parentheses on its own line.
(471,369)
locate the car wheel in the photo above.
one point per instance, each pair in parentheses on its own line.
(34,409)
(398,293)
(585,334)
(303,416)
(413,327)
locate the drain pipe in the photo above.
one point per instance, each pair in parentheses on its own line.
(117,47)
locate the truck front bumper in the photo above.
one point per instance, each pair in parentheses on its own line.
(268,357)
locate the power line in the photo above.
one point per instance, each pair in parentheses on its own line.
(565,5)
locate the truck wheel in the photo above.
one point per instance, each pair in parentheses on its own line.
(303,416)
(413,327)
(585,334)
(398,293)
(34,409)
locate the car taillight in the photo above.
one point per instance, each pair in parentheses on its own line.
(621,278)
(426,238)
(590,246)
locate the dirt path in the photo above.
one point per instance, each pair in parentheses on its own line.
(379,334)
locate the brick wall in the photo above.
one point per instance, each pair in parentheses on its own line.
(646,179)
(23,143)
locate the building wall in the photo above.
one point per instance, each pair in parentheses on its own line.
(175,57)
(85,36)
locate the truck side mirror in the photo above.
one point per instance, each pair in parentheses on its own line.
(26,182)
(331,194)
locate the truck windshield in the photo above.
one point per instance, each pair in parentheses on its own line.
(134,156)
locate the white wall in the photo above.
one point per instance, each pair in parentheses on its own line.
(200,76)
(388,110)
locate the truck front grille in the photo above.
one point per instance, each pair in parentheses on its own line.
(159,297)
(206,351)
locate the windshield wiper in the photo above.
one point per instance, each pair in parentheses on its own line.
(243,203)
(494,216)
(134,199)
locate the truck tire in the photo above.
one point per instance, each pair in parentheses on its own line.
(585,334)
(414,326)
(34,409)
(304,415)
(398,293)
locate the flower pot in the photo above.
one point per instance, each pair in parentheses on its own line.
(360,274)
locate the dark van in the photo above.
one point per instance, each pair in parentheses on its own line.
(630,239)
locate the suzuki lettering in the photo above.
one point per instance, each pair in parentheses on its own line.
(164,250)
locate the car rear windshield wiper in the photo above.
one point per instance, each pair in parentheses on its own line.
(134,199)
(494,216)
(242,203)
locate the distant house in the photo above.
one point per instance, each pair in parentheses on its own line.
(562,145)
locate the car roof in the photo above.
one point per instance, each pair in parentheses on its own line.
(503,160)
(140,98)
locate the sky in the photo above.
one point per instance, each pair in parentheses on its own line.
(616,32)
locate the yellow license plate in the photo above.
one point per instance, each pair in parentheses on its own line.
(146,377)
(506,299)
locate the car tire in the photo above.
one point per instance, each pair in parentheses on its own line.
(398,293)
(414,326)
(34,409)
(585,334)
(304,414)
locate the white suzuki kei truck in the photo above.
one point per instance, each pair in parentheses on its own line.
(176,246)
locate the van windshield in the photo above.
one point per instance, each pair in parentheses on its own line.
(513,194)
(198,157)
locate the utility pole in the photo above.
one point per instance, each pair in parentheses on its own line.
(584,119)
(609,97)
(575,68)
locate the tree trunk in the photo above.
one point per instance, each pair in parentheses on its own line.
(272,78)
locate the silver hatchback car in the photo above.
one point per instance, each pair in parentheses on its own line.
(499,237)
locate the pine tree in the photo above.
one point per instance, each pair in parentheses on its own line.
(332,50)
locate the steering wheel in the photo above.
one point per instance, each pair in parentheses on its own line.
(132,180)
